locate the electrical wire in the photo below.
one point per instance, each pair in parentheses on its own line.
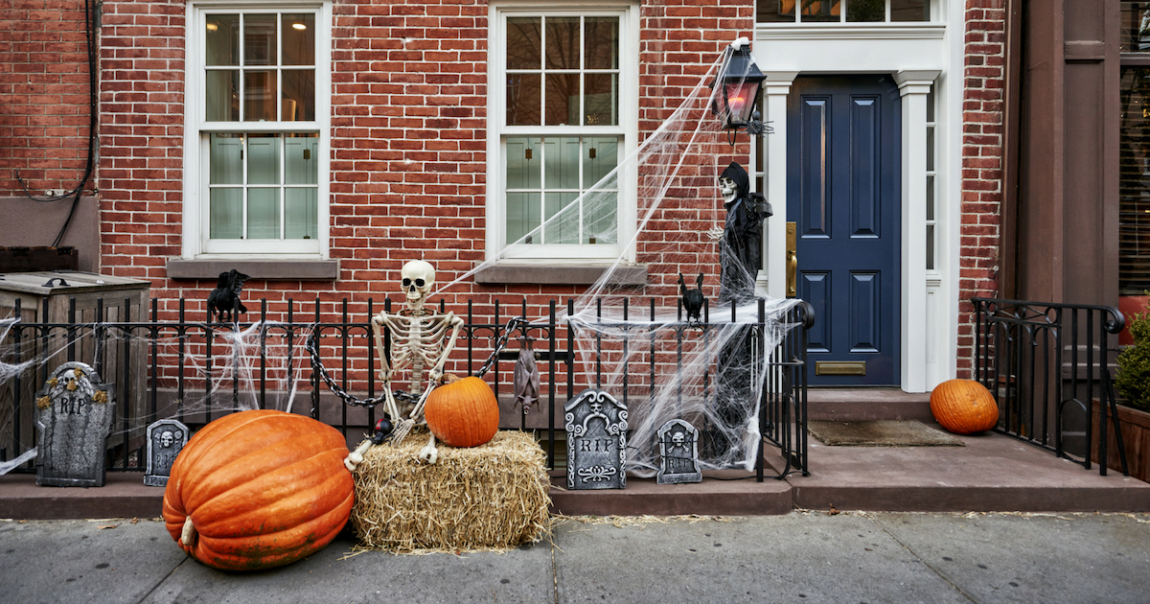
(77,192)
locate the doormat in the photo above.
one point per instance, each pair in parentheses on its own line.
(881,433)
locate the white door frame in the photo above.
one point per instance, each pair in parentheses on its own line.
(917,57)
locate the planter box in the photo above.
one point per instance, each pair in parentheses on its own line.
(1135,425)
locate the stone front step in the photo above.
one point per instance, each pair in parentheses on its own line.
(864,404)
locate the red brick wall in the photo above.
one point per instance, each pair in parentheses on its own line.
(44,91)
(983,114)
(408,166)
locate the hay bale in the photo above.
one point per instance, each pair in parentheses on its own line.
(494,496)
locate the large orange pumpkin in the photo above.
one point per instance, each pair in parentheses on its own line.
(964,406)
(462,412)
(258,489)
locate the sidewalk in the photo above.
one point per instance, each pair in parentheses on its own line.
(798,557)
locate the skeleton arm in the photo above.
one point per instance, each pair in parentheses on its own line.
(456,325)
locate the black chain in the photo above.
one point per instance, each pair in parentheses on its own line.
(501,343)
(312,346)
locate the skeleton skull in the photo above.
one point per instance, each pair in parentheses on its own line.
(418,277)
(678,438)
(167,438)
(596,408)
(728,188)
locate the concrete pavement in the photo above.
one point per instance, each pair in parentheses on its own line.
(798,557)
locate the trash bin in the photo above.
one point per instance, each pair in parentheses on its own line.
(57,311)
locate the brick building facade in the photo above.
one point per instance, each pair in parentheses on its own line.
(408,128)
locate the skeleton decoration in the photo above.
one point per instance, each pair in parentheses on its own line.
(420,339)
(166,438)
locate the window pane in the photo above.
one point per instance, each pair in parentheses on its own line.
(820,10)
(259,96)
(263,159)
(523,41)
(522,216)
(299,39)
(930,148)
(600,158)
(562,104)
(301,213)
(226,159)
(563,42)
(601,43)
(260,40)
(1134,182)
(301,159)
(264,213)
(523,90)
(562,163)
(562,219)
(298,102)
(930,197)
(221,96)
(866,11)
(909,10)
(222,43)
(601,103)
(930,247)
(523,163)
(930,105)
(599,222)
(226,214)
(775,11)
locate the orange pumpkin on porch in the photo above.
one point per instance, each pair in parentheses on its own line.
(964,406)
(462,412)
(258,489)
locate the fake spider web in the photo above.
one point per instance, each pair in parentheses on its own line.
(660,364)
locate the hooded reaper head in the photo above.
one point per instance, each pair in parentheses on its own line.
(736,173)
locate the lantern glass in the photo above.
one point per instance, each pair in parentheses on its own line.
(740,98)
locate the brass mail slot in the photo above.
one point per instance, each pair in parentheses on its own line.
(840,368)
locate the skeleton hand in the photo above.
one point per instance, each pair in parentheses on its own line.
(715,234)
(436,375)
(429,453)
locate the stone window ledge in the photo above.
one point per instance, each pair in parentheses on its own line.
(270,270)
(559,274)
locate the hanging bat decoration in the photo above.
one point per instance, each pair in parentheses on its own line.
(526,384)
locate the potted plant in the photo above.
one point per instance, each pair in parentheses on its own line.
(1133,385)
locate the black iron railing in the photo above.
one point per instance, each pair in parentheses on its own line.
(1045,364)
(196,371)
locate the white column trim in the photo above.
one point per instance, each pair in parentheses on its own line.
(914,87)
(776,89)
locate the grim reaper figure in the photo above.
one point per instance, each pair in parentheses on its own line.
(740,255)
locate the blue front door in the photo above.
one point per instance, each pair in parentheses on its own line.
(843,196)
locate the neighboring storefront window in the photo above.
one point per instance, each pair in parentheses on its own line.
(845,11)
(1134,152)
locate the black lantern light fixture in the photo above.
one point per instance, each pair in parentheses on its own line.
(740,80)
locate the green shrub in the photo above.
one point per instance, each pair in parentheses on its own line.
(1133,379)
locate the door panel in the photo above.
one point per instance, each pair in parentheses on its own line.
(844,192)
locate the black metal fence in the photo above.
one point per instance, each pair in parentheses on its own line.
(195,371)
(1047,366)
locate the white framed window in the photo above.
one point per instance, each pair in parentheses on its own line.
(257,142)
(563,113)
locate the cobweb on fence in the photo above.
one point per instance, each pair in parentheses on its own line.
(652,358)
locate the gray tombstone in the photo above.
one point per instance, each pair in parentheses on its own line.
(166,438)
(596,441)
(74,414)
(679,453)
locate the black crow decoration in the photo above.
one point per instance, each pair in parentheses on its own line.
(692,298)
(225,297)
